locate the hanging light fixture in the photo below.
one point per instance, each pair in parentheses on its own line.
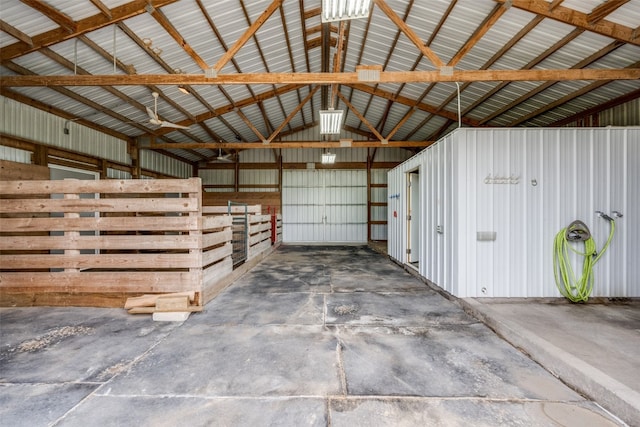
(330,121)
(184,90)
(340,10)
(328,158)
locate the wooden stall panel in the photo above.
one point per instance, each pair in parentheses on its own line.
(134,237)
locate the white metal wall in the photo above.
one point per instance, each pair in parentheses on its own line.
(324,206)
(524,185)
(27,122)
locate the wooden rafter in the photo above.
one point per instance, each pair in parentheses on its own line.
(247,35)
(603,10)
(83,26)
(575,94)
(362,118)
(602,107)
(64,20)
(246,120)
(103,8)
(175,34)
(577,19)
(537,60)
(14,32)
(401,123)
(149,51)
(218,112)
(411,35)
(383,120)
(493,17)
(544,86)
(292,115)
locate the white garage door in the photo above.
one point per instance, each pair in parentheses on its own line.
(324,206)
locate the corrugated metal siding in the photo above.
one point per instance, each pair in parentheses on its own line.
(259,176)
(14,155)
(157,162)
(217,177)
(324,206)
(562,174)
(18,120)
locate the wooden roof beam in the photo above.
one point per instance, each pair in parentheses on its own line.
(563,100)
(491,19)
(603,10)
(247,35)
(291,115)
(162,19)
(246,120)
(411,35)
(54,14)
(83,26)
(577,19)
(350,78)
(362,118)
(288,144)
(103,8)
(16,33)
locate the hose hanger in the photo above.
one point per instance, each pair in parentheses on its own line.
(578,289)
(577,231)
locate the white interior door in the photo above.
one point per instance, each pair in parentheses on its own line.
(414,217)
(324,206)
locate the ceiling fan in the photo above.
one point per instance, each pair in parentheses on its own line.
(226,158)
(155,120)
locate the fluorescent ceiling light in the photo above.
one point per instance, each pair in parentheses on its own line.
(340,10)
(328,158)
(330,121)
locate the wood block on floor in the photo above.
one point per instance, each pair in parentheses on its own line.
(172,303)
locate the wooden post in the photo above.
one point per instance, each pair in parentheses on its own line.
(71,235)
(198,252)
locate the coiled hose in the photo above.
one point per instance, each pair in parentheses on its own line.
(572,288)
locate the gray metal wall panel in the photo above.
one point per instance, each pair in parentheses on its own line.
(525,185)
(324,206)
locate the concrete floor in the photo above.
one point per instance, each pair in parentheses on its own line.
(336,336)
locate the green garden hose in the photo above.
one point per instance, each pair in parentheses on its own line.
(577,289)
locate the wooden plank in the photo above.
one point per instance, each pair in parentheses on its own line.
(257,228)
(183,223)
(166,205)
(22,171)
(104,242)
(259,218)
(217,254)
(132,186)
(217,271)
(213,222)
(259,248)
(213,239)
(149,300)
(223,210)
(107,281)
(101,261)
(172,303)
